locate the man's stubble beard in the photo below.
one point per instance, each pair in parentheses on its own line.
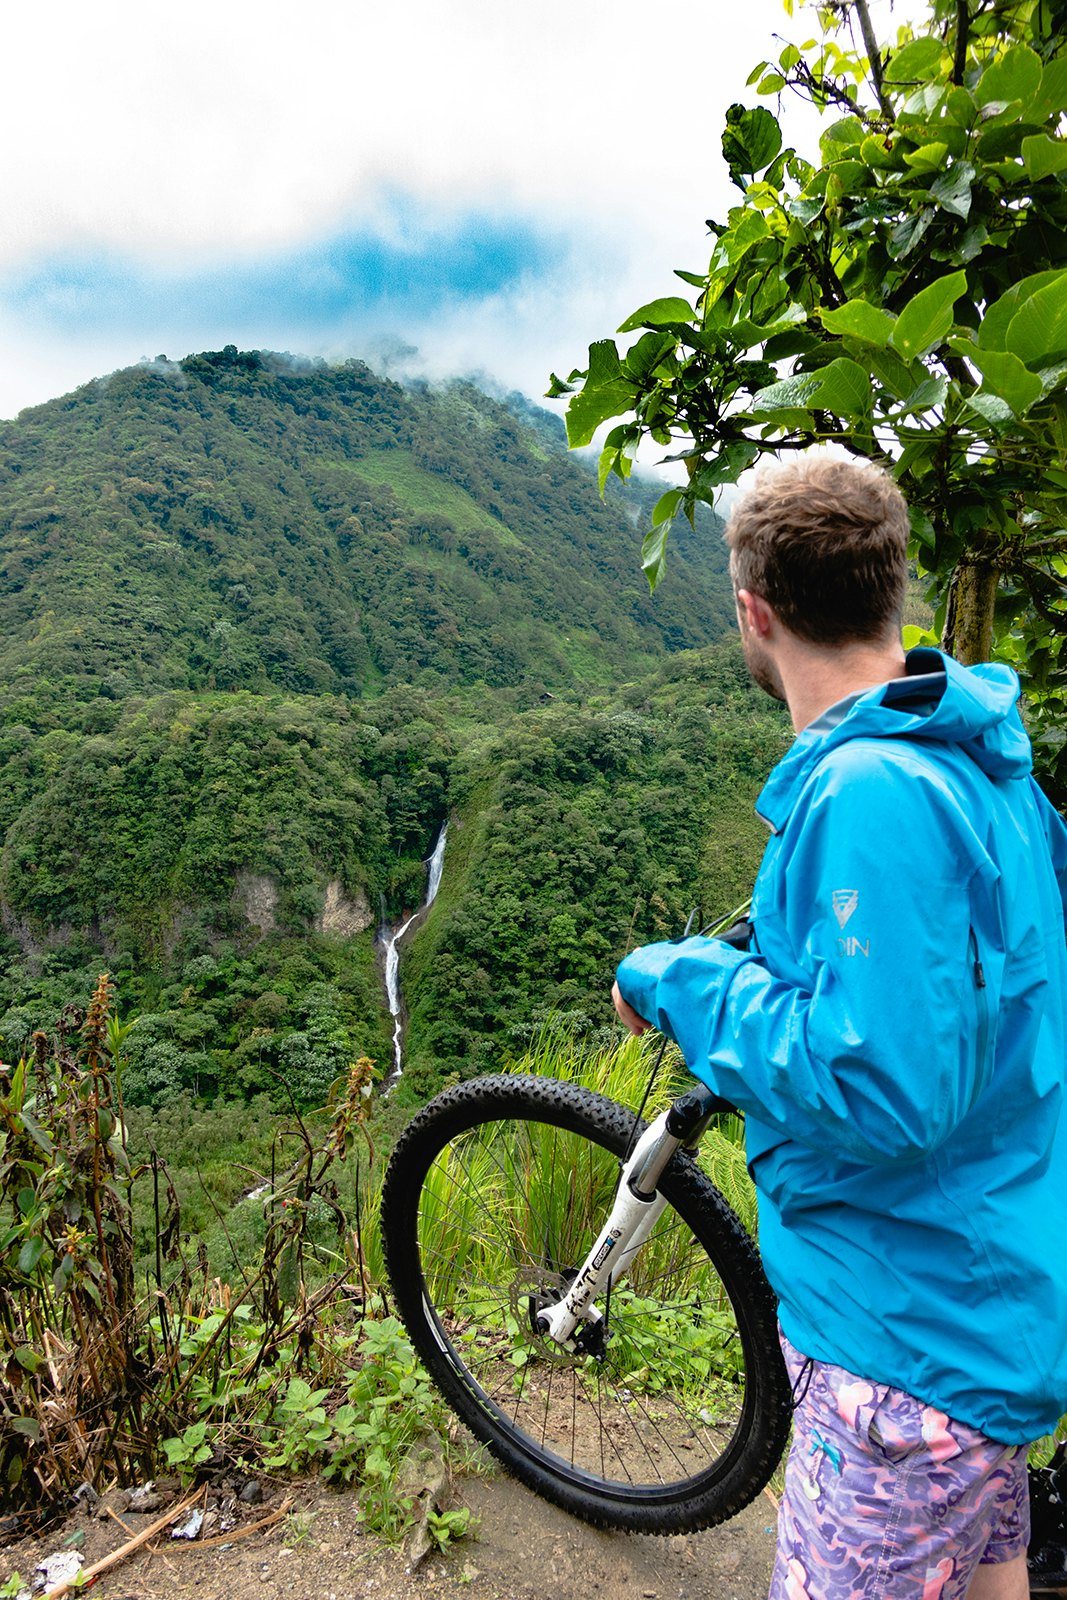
(761,668)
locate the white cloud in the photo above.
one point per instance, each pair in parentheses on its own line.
(210,133)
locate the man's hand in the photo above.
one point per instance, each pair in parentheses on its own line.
(627,1015)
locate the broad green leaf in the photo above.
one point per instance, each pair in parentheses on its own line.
(952,190)
(604,364)
(1002,374)
(908,233)
(845,388)
(751,140)
(647,353)
(1016,75)
(897,377)
(928,157)
(992,409)
(672,308)
(1037,333)
(30,1254)
(858,319)
(927,317)
(592,406)
(727,466)
(921,58)
(1052,377)
(29,1427)
(805,208)
(847,131)
(1051,98)
(972,242)
(879,151)
(28,1358)
(773,83)
(666,506)
(993,329)
(1043,156)
(654,553)
(788,392)
(927,394)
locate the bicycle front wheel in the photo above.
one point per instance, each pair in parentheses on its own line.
(677,1411)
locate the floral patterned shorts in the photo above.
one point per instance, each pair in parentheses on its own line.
(888,1499)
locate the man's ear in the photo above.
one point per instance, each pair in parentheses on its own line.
(758,615)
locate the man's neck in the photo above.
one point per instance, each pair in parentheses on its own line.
(815,679)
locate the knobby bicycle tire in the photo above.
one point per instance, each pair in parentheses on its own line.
(676,1419)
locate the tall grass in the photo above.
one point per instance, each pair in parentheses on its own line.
(623,1072)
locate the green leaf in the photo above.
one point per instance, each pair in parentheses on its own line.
(672,308)
(1016,75)
(30,1254)
(858,319)
(654,554)
(1051,98)
(604,364)
(927,394)
(647,353)
(726,467)
(908,233)
(787,393)
(927,317)
(993,329)
(952,190)
(773,83)
(1043,156)
(921,58)
(28,1358)
(750,142)
(897,377)
(1003,374)
(992,409)
(666,507)
(592,406)
(805,208)
(29,1427)
(845,388)
(1037,333)
(928,157)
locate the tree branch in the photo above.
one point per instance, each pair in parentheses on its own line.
(870,44)
(959,58)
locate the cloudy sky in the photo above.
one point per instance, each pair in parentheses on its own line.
(493,184)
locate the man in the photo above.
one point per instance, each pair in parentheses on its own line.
(896,1038)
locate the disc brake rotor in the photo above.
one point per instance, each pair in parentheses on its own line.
(532,1291)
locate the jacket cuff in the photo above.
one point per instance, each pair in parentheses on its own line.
(639,974)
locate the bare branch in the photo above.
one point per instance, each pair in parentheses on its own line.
(870,44)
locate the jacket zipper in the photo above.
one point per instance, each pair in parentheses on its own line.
(982,999)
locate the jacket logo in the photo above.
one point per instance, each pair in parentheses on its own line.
(851,946)
(845,902)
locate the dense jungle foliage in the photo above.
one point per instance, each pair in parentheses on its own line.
(265,625)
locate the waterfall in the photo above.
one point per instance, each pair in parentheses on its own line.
(434,868)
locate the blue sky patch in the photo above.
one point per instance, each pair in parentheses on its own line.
(352,278)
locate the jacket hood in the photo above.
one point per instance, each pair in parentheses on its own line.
(972,707)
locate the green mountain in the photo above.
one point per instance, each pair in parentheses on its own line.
(243,521)
(265,624)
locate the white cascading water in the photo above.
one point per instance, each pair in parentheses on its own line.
(435,866)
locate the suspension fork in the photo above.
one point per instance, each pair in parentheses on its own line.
(637,1208)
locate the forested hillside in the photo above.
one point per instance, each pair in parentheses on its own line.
(265,625)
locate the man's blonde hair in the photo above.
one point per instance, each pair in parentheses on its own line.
(824,542)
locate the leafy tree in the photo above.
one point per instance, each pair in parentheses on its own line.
(904,295)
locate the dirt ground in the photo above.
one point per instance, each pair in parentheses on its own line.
(522,1549)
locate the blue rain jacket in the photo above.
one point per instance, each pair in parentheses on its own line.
(896,1039)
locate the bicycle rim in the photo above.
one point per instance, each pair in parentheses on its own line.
(676,1413)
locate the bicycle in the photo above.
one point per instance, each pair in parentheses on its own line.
(635,1380)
